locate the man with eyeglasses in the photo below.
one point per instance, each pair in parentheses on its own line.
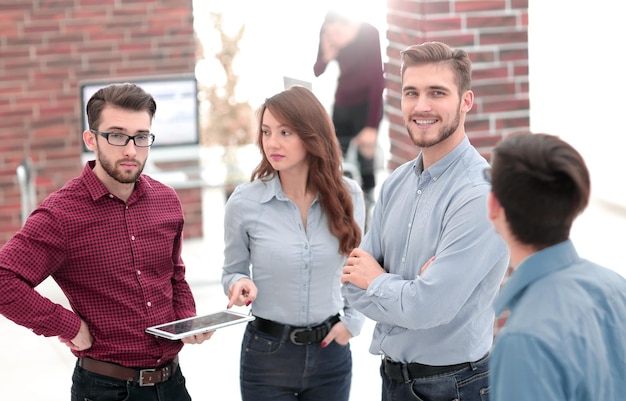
(111,239)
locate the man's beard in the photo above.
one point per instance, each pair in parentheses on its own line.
(109,168)
(444,132)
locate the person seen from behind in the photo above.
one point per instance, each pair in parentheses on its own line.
(287,235)
(564,338)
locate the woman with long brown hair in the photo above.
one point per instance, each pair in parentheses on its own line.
(287,235)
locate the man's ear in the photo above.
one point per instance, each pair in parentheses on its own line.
(90,140)
(467,101)
(494,209)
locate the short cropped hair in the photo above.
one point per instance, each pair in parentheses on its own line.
(126,96)
(437,52)
(542,183)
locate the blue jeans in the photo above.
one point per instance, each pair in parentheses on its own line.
(466,384)
(89,386)
(275,369)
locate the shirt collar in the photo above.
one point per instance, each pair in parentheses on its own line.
(533,268)
(437,169)
(273,189)
(97,189)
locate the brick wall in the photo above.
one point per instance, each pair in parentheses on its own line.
(46,49)
(495,34)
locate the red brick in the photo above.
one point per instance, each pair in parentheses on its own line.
(504,38)
(476,124)
(452,23)
(514,55)
(521,70)
(17,52)
(482,56)
(468,6)
(19,112)
(52,4)
(47,121)
(519,4)
(62,49)
(58,75)
(15,9)
(40,96)
(516,123)
(21,64)
(489,73)
(482,90)
(28,99)
(507,103)
(492,21)
(524,19)
(39,28)
(419,7)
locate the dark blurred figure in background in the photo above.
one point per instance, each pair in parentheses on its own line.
(358,103)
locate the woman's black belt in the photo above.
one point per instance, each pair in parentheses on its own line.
(297,335)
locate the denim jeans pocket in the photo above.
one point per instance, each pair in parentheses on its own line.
(87,386)
(258,341)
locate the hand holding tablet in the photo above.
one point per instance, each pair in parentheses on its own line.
(199,324)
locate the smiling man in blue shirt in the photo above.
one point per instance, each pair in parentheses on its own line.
(434,327)
(565,337)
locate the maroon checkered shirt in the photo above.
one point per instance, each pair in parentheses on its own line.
(119,265)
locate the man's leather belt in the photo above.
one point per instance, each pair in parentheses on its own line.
(411,371)
(142,377)
(297,335)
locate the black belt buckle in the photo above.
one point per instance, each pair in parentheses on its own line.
(397,371)
(295,332)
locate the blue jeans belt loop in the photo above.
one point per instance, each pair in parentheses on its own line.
(297,335)
(141,377)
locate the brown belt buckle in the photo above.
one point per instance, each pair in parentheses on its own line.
(141,382)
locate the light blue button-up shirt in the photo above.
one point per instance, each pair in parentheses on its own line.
(296,269)
(565,337)
(444,316)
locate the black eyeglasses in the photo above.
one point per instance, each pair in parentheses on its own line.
(119,139)
(487,174)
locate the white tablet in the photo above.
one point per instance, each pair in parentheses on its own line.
(198,324)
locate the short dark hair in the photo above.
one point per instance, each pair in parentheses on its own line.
(123,95)
(438,52)
(542,183)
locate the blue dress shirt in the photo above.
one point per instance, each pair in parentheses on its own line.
(565,337)
(445,316)
(296,269)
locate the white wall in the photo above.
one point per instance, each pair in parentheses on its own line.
(578,82)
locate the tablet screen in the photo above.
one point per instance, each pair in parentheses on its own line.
(199,324)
